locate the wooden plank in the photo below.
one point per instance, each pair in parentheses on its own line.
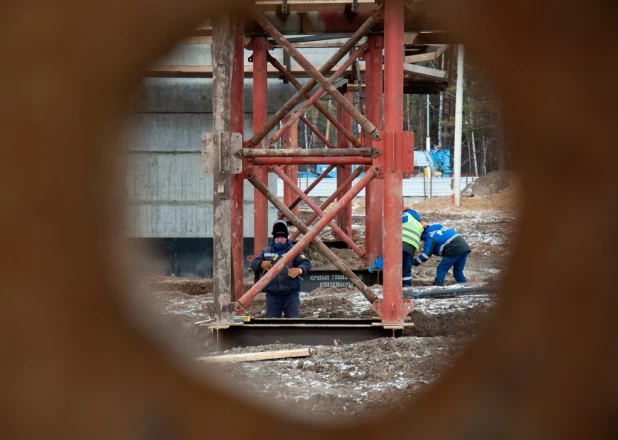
(250,357)
(429,56)
(203,39)
(207,39)
(409,38)
(204,30)
(424,72)
(207,71)
(315,5)
(196,39)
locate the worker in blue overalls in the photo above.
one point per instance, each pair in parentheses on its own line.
(448,244)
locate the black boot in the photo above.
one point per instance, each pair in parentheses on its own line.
(435,283)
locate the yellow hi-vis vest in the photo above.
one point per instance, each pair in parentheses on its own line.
(412,231)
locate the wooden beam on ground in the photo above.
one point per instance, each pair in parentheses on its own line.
(250,357)
(424,72)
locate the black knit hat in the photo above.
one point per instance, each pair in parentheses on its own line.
(280,229)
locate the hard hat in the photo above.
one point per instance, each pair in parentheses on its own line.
(280,229)
(405,208)
(412,212)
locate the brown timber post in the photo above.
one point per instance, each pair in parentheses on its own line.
(222,58)
(237,125)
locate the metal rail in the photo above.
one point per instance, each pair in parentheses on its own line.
(304,331)
(314,152)
(450,292)
(352,160)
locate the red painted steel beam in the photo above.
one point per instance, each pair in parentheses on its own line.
(294,205)
(312,127)
(247,298)
(260,116)
(312,161)
(392,310)
(336,229)
(288,76)
(325,153)
(344,219)
(292,171)
(332,61)
(312,100)
(332,197)
(345,270)
(237,113)
(374,192)
(288,193)
(271,30)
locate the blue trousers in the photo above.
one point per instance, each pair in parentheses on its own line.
(288,304)
(458,262)
(406,269)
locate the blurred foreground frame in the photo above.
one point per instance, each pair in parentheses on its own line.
(73,366)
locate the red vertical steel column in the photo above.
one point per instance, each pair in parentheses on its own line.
(290,141)
(344,219)
(260,116)
(237,115)
(292,170)
(392,168)
(374,191)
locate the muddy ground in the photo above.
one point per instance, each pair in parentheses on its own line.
(368,377)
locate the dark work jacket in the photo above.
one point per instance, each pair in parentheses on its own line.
(441,241)
(282,284)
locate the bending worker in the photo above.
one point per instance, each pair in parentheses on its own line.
(282,293)
(448,244)
(411,233)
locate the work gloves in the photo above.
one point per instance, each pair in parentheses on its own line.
(294,272)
